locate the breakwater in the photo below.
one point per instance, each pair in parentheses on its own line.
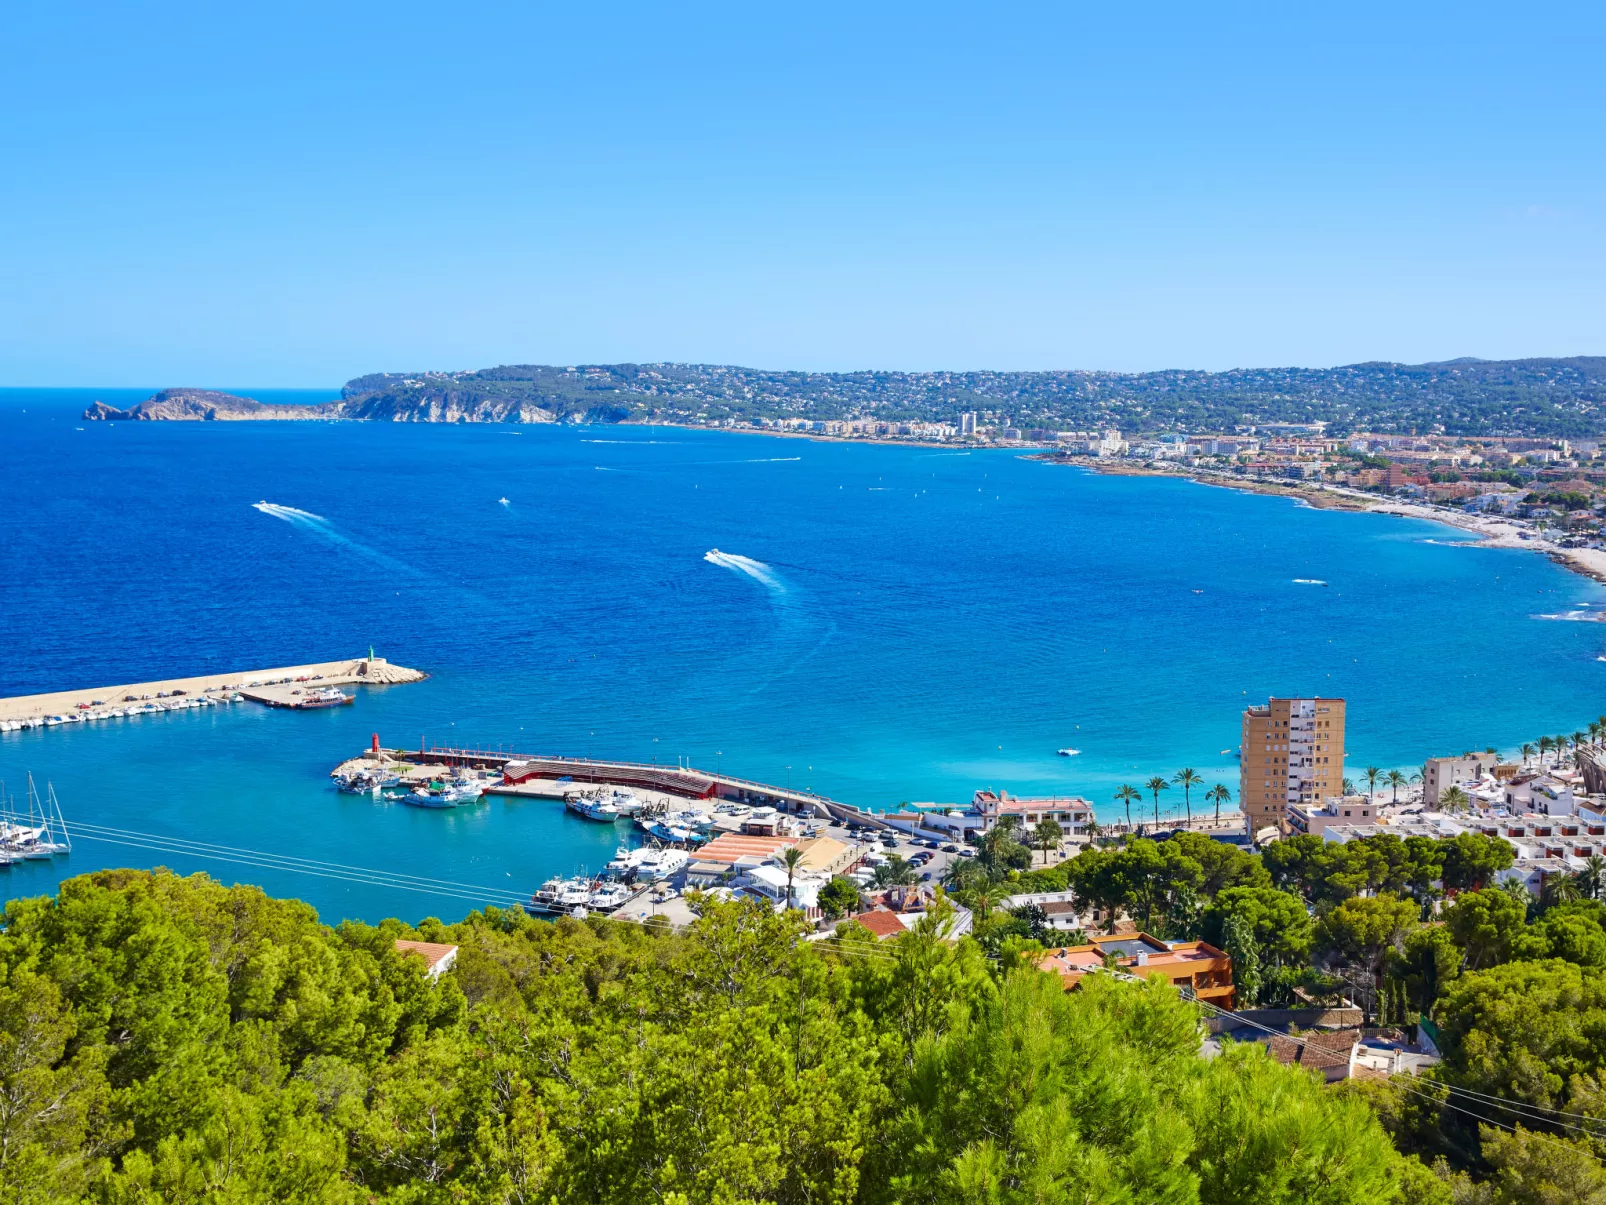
(545,777)
(263,685)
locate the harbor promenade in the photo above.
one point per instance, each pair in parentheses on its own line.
(102,701)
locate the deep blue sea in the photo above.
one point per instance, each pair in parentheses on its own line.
(919,623)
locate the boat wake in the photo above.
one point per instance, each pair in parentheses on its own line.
(757,570)
(771,459)
(319,526)
(289,514)
(1574,616)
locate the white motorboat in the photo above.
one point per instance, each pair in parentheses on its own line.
(659,864)
(546,896)
(574,893)
(609,896)
(1068,752)
(591,808)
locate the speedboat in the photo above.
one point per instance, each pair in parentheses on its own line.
(1067,752)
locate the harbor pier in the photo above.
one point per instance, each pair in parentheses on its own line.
(544,777)
(138,698)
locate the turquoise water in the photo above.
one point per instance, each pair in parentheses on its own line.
(918,624)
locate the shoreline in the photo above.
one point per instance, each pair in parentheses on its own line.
(1487,531)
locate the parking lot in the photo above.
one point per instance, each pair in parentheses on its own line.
(931,870)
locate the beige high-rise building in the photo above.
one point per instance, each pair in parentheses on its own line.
(1292,751)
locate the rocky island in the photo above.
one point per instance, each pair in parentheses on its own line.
(206,405)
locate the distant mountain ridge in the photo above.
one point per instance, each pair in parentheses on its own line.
(1534,397)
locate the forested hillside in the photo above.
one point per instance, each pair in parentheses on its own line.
(173,1040)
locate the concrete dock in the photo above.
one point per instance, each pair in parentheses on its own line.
(536,777)
(137,697)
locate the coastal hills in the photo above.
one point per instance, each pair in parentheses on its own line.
(1535,397)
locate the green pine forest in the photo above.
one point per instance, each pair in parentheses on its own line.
(168,1040)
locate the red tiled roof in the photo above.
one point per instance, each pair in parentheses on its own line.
(430,951)
(729,847)
(1314,1050)
(882,923)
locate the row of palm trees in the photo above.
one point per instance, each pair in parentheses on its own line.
(1593,734)
(1187,778)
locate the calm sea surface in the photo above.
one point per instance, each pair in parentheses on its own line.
(907,624)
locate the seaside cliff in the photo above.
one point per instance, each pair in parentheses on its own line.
(204,405)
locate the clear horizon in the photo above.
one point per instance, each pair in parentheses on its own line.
(301,195)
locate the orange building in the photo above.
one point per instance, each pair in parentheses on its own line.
(1188,964)
(1292,751)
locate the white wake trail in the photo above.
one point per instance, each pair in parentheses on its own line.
(757,570)
(288,513)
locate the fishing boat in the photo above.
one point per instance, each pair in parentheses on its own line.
(591,808)
(546,895)
(625,801)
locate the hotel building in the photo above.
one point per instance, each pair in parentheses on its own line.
(1292,751)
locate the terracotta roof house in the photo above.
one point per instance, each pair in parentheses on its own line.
(882,923)
(1333,1054)
(438,958)
(1194,965)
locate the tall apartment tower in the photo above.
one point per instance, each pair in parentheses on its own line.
(1292,752)
(967,422)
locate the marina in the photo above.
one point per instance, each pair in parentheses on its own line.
(295,687)
(560,778)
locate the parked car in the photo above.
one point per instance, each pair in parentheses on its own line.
(950,849)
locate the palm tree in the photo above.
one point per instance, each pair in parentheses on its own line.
(1560,745)
(1594,732)
(1371,773)
(1561,889)
(1156,785)
(1347,786)
(1047,835)
(1527,751)
(791,857)
(1396,780)
(1126,795)
(1593,877)
(1094,831)
(1578,742)
(1218,795)
(1454,800)
(1187,780)
(1545,746)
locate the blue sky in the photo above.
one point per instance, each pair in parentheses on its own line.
(294,194)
